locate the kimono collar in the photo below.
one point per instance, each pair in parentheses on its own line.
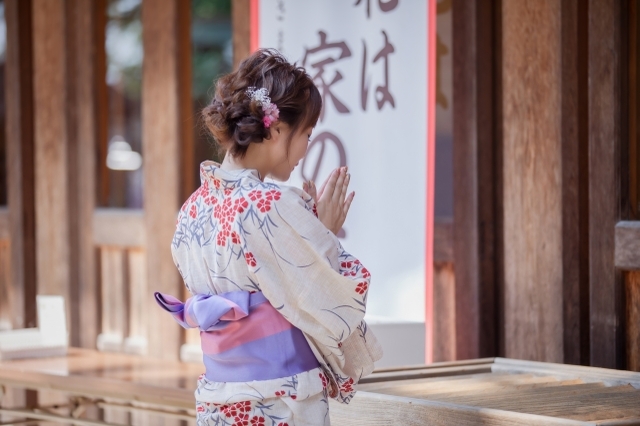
(211,172)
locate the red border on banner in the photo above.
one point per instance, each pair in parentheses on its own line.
(254,25)
(431,163)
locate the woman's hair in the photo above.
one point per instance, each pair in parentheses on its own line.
(235,120)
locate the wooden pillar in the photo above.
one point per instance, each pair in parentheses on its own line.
(51,163)
(465,172)
(532,192)
(20,163)
(573,185)
(604,140)
(161,159)
(475,179)
(241,23)
(82,173)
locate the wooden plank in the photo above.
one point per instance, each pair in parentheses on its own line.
(465,183)
(138,306)
(632,287)
(82,171)
(427,382)
(240,22)
(114,308)
(627,245)
(571,182)
(374,409)
(532,196)
(160,141)
(444,314)
(119,227)
(606,340)
(20,161)
(428,372)
(51,165)
(589,374)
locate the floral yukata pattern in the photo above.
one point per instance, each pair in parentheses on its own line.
(238,233)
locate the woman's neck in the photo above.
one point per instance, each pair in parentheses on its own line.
(250,161)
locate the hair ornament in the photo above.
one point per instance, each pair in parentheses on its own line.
(261,96)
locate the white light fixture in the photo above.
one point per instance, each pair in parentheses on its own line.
(121,157)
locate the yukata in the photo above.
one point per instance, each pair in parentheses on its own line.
(252,249)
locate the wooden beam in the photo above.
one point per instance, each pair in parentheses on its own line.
(20,161)
(604,117)
(160,141)
(465,180)
(532,191)
(240,22)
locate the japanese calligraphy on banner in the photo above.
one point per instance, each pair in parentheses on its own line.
(369,58)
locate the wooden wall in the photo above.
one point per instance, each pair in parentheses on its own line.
(540,96)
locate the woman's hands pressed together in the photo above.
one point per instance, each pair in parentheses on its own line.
(332,200)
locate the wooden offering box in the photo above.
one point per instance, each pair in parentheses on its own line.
(495,391)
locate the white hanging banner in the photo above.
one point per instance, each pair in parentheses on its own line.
(370,59)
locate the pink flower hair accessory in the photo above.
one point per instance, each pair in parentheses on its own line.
(261,96)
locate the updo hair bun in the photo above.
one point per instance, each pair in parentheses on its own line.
(236,121)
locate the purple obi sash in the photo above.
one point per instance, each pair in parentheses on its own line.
(243,337)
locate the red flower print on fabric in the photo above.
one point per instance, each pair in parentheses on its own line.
(362,288)
(283,424)
(255,195)
(365,273)
(346,265)
(294,397)
(264,206)
(241,205)
(280,393)
(241,420)
(251,261)
(315,210)
(272,194)
(235,238)
(325,380)
(193,212)
(200,409)
(257,421)
(227,192)
(347,386)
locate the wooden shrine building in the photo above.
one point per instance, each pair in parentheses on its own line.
(539,259)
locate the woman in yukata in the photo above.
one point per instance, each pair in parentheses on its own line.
(279,302)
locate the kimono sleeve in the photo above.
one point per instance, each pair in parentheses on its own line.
(296,262)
